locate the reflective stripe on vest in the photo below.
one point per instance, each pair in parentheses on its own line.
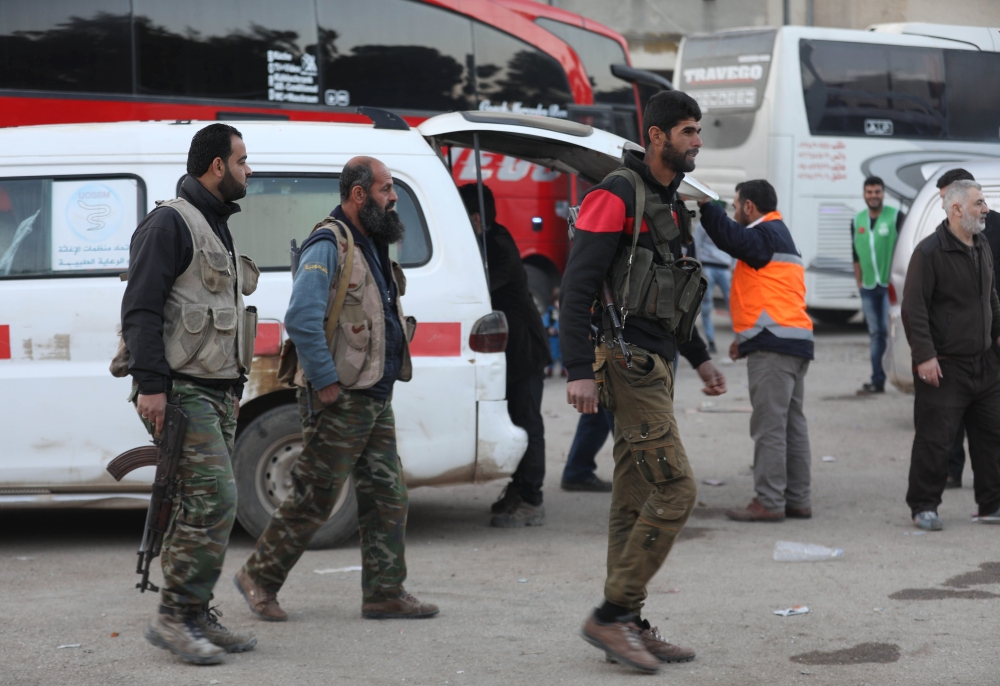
(771,298)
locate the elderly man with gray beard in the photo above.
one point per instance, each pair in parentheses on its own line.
(951,315)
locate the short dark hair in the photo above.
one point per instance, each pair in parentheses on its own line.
(667,109)
(760,193)
(875,181)
(953,175)
(357,174)
(215,140)
(470,198)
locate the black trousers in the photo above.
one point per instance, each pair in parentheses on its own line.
(524,404)
(969,394)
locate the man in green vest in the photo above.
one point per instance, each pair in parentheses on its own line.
(873,238)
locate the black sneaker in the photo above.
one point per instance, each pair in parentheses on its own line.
(591,484)
(953,483)
(520,515)
(711,347)
(507,501)
(870,388)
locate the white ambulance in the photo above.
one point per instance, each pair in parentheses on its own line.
(70,197)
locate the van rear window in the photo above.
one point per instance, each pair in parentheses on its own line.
(281,207)
(68,226)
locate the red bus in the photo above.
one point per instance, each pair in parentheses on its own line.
(119,60)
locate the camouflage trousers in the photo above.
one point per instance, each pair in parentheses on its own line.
(653,491)
(354,438)
(194,546)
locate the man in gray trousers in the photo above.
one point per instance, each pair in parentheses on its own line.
(774,333)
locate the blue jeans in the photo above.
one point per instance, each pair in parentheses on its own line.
(875,303)
(715,275)
(591,432)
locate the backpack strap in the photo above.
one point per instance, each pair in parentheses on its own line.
(638,210)
(330,324)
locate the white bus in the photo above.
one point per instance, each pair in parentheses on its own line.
(815,111)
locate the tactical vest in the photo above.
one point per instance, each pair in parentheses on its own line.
(357,343)
(207,332)
(874,246)
(667,290)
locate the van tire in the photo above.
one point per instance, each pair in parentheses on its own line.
(272,442)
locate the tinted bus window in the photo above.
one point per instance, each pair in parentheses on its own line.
(240,49)
(68,226)
(66,45)
(511,71)
(597,53)
(727,75)
(876,90)
(973,94)
(280,207)
(395,53)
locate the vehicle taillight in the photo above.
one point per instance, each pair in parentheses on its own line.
(892,294)
(489,333)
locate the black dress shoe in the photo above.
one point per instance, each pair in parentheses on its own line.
(870,388)
(953,483)
(591,484)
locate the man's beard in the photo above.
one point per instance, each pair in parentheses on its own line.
(383,225)
(230,188)
(676,160)
(973,224)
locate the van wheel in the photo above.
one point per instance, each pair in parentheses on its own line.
(262,464)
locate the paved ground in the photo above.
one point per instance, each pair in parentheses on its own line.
(898,608)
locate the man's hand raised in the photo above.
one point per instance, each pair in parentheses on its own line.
(582,394)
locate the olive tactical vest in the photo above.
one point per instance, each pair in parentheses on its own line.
(668,290)
(207,332)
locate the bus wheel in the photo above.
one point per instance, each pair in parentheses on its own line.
(262,463)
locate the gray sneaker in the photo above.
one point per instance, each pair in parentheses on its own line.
(992,518)
(928,521)
(521,514)
(230,641)
(180,633)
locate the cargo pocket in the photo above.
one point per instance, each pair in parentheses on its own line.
(250,275)
(654,452)
(214,356)
(186,338)
(351,354)
(216,273)
(200,504)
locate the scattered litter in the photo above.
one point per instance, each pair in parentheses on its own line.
(829,458)
(879,609)
(24,559)
(673,590)
(353,568)
(805,672)
(461,671)
(69,645)
(712,482)
(914,533)
(792,611)
(214,681)
(522,581)
(975,518)
(114,634)
(789,551)
(705,404)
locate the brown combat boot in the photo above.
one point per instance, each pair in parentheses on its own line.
(403,606)
(659,647)
(179,632)
(262,602)
(620,642)
(755,512)
(230,641)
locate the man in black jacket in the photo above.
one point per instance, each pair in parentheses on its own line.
(527,356)
(951,315)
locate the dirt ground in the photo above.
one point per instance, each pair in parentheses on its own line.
(898,608)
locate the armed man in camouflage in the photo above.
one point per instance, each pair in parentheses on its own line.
(190,342)
(352,348)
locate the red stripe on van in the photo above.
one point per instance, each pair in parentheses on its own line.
(4,341)
(268,339)
(437,339)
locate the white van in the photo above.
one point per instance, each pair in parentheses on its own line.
(926,213)
(70,197)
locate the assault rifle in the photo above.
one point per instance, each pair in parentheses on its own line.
(164,455)
(609,304)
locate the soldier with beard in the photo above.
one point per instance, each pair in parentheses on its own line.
(352,431)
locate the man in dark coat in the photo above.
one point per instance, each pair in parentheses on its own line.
(527,356)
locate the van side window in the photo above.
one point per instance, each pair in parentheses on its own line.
(280,207)
(63,226)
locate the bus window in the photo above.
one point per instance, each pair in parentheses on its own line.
(864,89)
(68,226)
(511,71)
(66,45)
(727,75)
(597,53)
(246,50)
(395,53)
(280,207)
(973,94)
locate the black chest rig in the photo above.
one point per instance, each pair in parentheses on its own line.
(654,284)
